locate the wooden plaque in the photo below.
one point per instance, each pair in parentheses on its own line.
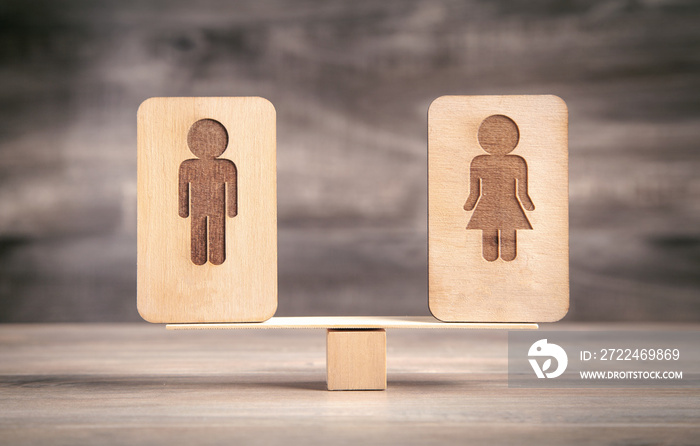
(207,210)
(498,227)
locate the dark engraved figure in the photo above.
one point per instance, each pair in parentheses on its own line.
(207,189)
(496,183)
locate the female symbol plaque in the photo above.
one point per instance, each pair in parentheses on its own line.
(498,242)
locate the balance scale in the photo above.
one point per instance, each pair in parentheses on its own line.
(497,223)
(356,346)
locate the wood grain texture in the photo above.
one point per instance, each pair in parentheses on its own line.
(137,384)
(491,159)
(350,322)
(356,359)
(351,81)
(175,282)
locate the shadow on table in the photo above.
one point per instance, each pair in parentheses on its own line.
(111,383)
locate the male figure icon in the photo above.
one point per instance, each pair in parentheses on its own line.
(208,191)
(498,189)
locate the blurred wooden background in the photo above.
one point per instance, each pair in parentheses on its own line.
(351,81)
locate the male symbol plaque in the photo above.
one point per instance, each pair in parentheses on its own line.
(498,209)
(207,210)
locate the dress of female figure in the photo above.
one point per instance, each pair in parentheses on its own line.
(498,206)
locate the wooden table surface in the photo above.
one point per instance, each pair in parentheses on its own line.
(140,384)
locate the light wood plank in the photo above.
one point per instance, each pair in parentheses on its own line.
(498,208)
(184,273)
(349,322)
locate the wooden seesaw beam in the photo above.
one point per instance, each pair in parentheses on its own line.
(356,346)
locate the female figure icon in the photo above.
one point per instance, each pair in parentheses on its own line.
(496,183)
